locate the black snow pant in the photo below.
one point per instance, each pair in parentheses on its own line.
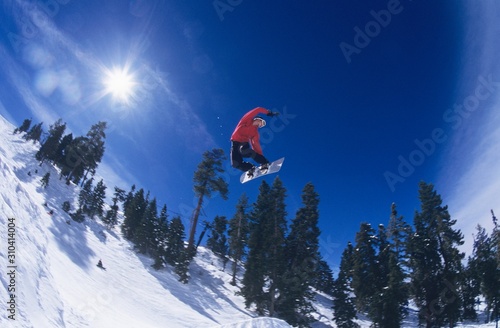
(240,150)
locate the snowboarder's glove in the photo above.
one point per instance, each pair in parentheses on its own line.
(271,114)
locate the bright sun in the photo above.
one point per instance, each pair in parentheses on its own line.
(120,84)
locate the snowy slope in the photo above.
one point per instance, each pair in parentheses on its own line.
(57,283)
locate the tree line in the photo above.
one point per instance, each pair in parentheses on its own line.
(379,275)
(387,268)
(76,157)
(281,264)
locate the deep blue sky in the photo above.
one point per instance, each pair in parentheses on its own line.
(347,123)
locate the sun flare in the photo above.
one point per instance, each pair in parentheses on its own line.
(120,84)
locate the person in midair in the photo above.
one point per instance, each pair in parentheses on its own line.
(245,141)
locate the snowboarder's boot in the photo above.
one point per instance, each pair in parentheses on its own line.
(264,167)
(251,172)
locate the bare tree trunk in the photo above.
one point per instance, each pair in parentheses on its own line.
(192,232)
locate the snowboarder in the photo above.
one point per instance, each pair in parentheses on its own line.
(245,135)
(99,265)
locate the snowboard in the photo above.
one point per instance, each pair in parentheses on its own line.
(273,168)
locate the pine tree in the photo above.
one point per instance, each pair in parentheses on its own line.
(218,240)
(176,254)
(396,296)
(83,154)
(238,235)
(487,271)
(470,289)
(24,127)
(85,198)
(388,303)
(364,267)
(323,280)
(129,197)
(435,261)
(344,310)
(35,133)
(94,148)
(174,241)
(182,265)
(134,209)
(302,249)
(96,206)
(160,236)
(254,277)
(398,232)
(49,148)
(144,237)
(265,264)
(495,241)
(45,180)
(275,244)
(111,218)
(73,164)
(66,206)
(61,152)
(207,180)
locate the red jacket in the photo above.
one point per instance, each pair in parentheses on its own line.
(247,132)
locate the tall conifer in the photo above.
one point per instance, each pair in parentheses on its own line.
(364,267)
(344,309)
(302,254)
(98,199)
(238,234)
(24,127)
(160,238)
(35,133)
(111,218)
(276,243)
(217,242)
(435,261)
(388,303)
(49,148)
(256,266)
(175,241)
(487,271)
(208,180)
(144,236)
(398,232)
(133,211)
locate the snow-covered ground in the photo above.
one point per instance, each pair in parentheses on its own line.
(48,264)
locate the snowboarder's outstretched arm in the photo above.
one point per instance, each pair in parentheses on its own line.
(248,117)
